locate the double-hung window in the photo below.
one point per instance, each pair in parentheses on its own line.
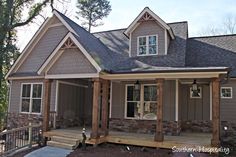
(141,104)
(147,45)
(31,98)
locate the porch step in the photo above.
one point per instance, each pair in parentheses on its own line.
(63,142)
(66,140)
(60,145)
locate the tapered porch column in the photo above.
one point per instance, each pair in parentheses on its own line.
(47,95)
(215,141)
(159,126)
(105,91)
(96,95)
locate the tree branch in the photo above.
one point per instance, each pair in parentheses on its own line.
(32,16)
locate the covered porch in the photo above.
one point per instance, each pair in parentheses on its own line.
(102,102)
(191,140)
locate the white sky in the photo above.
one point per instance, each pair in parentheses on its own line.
(200,14)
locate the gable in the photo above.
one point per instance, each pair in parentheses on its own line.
(71,61)
(146,28)
(39,47)
(148,15)
(43,49)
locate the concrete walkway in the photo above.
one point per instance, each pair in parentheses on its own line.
(49,152)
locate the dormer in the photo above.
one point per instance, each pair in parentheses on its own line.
(149,35)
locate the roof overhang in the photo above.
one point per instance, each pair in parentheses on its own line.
(169,74)
(136,22)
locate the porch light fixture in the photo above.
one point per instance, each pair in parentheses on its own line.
(137,85)
(194,86)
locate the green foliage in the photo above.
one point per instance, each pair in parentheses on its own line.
(92,11)
(11,17)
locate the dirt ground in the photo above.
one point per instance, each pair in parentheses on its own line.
(108,150)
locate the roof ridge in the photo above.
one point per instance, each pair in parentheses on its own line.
(177,22)
(118,29)
(213,36)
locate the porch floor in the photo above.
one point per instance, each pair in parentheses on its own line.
(192,140)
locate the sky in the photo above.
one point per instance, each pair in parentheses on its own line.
(200,14)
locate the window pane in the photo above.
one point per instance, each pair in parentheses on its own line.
(152,40)
(150,110)
(37,91)
(142,41)
(142,50)
(133,110)
(153,49)
(150,93)
(196,94)
(25,103)
(36,105)
(226,93)
(26,90)
(132,94)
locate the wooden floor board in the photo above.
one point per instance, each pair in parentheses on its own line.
(185,139)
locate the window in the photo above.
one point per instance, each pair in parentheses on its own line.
(226,92)
(31,98)
(196,94)
(147,45)
(141,104)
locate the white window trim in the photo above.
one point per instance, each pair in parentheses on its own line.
(190,90)
(147,45)
(231,89)
(141,100)
(31,98)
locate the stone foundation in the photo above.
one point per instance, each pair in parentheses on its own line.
(202,126)
(143,126)
(15,120)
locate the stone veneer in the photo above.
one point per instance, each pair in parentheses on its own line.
(203,126)
(143,126)
(15,120)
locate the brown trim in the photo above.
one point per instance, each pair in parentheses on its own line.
(46,112)
(95,121)
(215,112)
(159,126)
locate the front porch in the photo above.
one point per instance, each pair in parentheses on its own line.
(191,140)
(158,114)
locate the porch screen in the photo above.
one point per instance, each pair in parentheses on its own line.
(141,104)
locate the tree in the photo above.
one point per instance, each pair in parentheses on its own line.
(92,11)
(12,12)
(228,26)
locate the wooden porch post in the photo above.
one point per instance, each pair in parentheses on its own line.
(215,112)
(105,91)
(96,95)
(159,126)
(47,95)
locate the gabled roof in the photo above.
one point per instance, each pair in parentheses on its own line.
(56,53)
(99,52)
(26,49)
(117,42)
(157,18)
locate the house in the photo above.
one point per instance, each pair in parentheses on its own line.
(147,79)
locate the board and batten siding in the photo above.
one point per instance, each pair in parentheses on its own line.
(228,105)
(118,100)
(72,61)
(194,108)
(148,28)
(43,49)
